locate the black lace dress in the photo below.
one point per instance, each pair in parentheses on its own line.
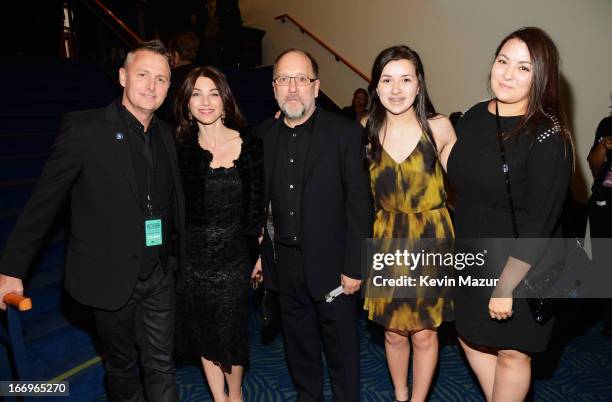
(224,214)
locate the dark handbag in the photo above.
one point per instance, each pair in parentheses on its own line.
(270,310)
(270,316)
(560,281)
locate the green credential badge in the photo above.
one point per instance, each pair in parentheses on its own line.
(153,232)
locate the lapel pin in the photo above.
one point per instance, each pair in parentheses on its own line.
(119,136)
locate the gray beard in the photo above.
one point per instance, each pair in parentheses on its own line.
(293,115)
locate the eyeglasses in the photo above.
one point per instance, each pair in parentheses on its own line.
(300,80)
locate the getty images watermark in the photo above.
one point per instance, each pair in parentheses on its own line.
(406,260)
(404,268)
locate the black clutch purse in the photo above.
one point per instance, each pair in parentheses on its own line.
(270,310)
(270,316)
(562,281)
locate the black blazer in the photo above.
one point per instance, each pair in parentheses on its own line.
(91,163)
(336,210)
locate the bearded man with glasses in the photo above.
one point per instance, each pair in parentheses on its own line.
(318,188)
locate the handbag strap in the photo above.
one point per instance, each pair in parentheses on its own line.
(505,168)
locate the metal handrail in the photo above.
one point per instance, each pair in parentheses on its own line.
(308,32)
(134,36)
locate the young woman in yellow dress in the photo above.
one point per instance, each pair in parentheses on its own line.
(407,140)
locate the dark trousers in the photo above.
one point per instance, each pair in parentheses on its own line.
(305,323)
(600,221)
(146,325)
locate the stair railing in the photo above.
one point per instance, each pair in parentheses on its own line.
(286,17)
(95,33)
(116,20)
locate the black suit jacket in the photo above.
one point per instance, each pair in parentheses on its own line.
(91,163)
(336,210)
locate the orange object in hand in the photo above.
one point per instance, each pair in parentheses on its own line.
(21,302)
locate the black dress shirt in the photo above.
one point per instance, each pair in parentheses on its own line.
(154,178)
(287,181)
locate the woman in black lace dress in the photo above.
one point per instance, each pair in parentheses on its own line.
(222,175)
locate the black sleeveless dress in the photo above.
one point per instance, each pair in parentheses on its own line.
(224,214)
(540,169)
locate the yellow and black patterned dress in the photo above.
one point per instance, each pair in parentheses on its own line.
(410,203)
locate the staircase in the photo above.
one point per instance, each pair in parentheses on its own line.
(57,331)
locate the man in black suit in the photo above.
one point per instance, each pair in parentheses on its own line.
(118,165)
(319,191)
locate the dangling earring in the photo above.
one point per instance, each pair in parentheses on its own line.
(223,117)
(192,121)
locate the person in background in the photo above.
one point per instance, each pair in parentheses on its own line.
(600,204)
(495,327)
(359,106)
(230,23)
(184,48)
(222,171)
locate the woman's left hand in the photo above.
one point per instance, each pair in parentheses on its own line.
(500,308)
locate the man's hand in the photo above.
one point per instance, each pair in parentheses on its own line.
(349,285)
(500,308)
(257,273)
(256,268)
(9,284)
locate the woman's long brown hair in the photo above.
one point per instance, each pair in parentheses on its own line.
(545,105)
(233,117)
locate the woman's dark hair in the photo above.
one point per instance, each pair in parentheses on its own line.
(185,44)
(423,107)
(544,105)
(185,125)
(361,90)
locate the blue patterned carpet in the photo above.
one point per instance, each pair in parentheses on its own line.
(581,371)
(577,366)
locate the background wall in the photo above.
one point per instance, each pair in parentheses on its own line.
(456,41)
